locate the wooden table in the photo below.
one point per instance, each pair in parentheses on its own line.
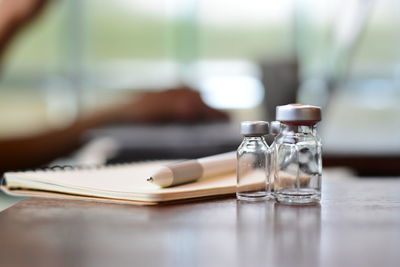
(357,224)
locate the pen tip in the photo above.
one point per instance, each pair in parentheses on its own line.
(150,179)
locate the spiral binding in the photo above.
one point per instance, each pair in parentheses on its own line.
(60,168)
(71,168)
(57,168)
(78,167)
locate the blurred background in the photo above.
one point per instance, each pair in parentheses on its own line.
(245,57)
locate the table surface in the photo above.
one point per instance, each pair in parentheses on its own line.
(356,224)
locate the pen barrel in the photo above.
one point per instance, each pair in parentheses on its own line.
(191,170)
(218,164)
(186,171)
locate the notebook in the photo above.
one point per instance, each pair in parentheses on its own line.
(125,183)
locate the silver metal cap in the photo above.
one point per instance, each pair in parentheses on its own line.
(275,127)
(298,112)
(254,128)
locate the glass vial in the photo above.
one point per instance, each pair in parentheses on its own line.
(298,164)
(253,163)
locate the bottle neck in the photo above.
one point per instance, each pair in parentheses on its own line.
(253,138)
(254,141)
(293,129)
(314,129)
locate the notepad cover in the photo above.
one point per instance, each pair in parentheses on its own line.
(122,183)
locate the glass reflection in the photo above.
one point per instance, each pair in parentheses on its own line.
(269,233)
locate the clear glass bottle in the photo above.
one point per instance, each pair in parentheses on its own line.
(253,164)
(298,164)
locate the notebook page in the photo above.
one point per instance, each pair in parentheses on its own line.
(119,178)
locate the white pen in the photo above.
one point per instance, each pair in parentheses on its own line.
(191,170)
